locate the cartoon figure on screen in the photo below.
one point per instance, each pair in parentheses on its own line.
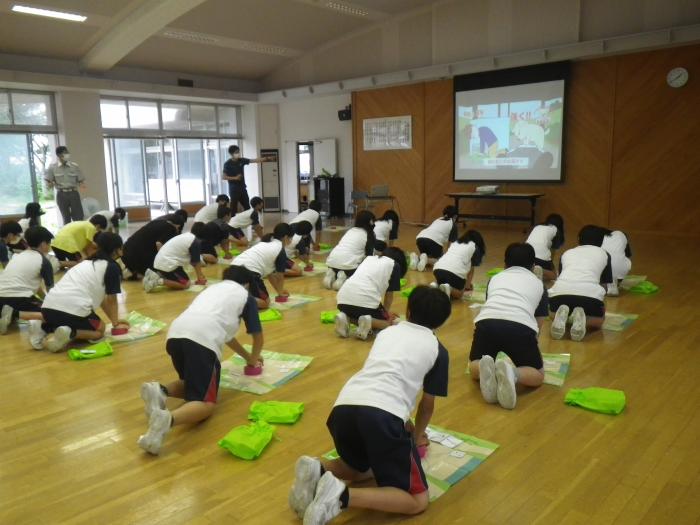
(529,133)
(488,141)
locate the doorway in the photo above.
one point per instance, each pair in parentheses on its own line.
(305,170)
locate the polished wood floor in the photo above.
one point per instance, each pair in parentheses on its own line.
(68,429)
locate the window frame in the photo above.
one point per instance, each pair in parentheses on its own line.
(30,128)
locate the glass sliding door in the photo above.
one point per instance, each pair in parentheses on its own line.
(172,178)
(16,186)
(191,168)
(128,179)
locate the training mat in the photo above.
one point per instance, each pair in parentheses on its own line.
(618,321)
(477,295)
(278,369)
(631,281)
(196,288)
(323,248)
(450,457)
(141,327)
(556,367)
(334,228)
(294,301)
(319,269)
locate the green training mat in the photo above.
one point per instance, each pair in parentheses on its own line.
(618,321)
(282,412)
(101,349)
(278,370)
(450,457)
(248,441)
(631,281)
(603,400)
(476,295)
(140,328)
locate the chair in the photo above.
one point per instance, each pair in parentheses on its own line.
(355,198)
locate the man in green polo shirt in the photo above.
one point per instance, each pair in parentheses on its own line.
(65,176)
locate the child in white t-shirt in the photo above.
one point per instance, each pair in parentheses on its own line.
(242,220)
(454,271)
(431,240)
(267,259)
(171,259)
(208,213)
(299,246)
(313,216)
(546,238)
(579,287)
(367,295)
(618,246)
(509,322)
(195,341)
(69,307)
(21,280)
(354,246)
(112,218)
(370,422)
(386,230)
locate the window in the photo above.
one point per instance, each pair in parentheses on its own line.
(190,164)
(16,173)
(5,117)
(143,115)
(130,183)
(114,114)
(32,109)
(175,116)
(203,118)
(228,120)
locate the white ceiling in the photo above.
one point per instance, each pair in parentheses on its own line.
(246,39)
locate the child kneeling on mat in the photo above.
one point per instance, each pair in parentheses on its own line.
(69,307)
(299,246)
(431,240)
(579,289)
(454,271)
(360,298)
(509,321)
(171,259)
(195,340)
(370,422)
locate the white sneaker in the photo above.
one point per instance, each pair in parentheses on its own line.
(326,503)
(447,289)
(342,327)
(158,427)
(5,318)
(434,285)
(153,397)
(505,385)
(612,289)
(36,334)
(487,379)
(539,272)
(307,472)
(364,326)
(58,340)
(422,262)
(150,280)
(558,328)
(578,327)
(340,280)
(328,279)
(412,261)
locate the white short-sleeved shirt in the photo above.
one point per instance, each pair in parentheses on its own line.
(457,259)
(24,223)
(404,359)
(260,258)
(367,286)
(540,239)
(615,244)
(244,219)
(23,275)
(514,295)
(350,251)
(310,216)
(207,213)
(439,231)
(175,253)
(581,272)
(82,289)
(291,248)
(213,318)
(382,230)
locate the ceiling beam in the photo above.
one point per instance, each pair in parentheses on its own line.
(132,30)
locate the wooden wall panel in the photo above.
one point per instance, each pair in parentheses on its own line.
(402,170)
(632,155)
(656,155)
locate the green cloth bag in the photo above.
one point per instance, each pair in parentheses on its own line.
(248,441)
(102,349)
(406,292)
(603,400)
(270,315)
(328,316)
(494,271)
(324,246)
(403,281)
(645,287)
(285,412)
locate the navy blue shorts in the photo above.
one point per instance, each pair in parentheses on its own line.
(179,275)
(428,246)
(355,312)
(546,265)
(445,276)
(198,367)
(55,318)
(517,341)
(370,438)
(592,307)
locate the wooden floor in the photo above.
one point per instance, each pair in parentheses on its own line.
(68,430)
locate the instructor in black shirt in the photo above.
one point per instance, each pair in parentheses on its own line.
(233,173)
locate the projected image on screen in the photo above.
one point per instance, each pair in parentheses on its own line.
(510,133)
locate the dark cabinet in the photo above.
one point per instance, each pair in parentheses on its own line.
(331,194)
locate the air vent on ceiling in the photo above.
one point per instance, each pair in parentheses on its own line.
(189,36)
(347,8)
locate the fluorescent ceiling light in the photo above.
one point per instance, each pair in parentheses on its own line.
(47,12)
(347,9)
